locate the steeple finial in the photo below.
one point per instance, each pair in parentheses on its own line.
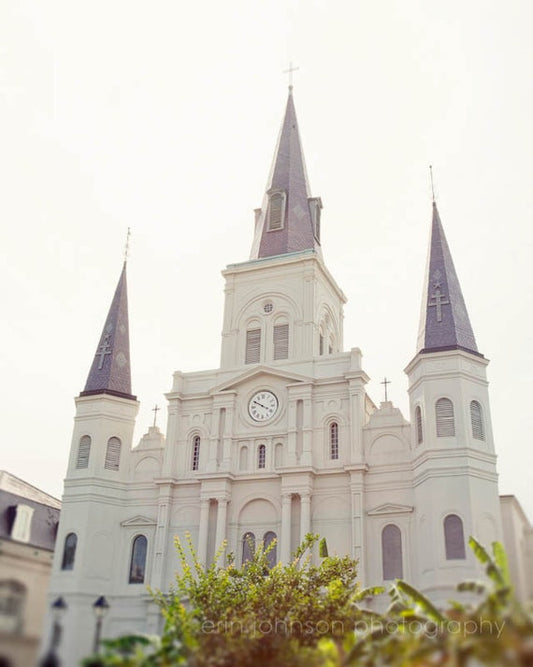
(110,371)
(432,188)
(127,246)
(444,321)
(289,72)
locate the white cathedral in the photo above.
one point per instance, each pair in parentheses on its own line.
(282,439)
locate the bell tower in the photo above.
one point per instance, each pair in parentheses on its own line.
(98,469)
(454,464)
(283,305)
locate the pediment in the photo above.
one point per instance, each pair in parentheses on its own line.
(257,372)
(390,508)
(138,520)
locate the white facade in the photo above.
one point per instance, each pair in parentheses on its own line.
(282,439)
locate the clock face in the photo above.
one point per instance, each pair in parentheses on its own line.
(262,406)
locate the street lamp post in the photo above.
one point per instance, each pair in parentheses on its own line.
(100,608)
(59,607)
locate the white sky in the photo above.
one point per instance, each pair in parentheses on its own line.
(163,116)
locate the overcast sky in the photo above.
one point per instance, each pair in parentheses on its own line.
(163,116)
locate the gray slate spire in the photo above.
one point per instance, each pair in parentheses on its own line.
(444,322)
(110,371)
(300,226)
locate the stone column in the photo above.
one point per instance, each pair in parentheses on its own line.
(285,547)
(305,515)
(203,530)
(221,527)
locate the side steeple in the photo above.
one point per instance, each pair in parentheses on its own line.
(289,220)
(444,321)
(110,371)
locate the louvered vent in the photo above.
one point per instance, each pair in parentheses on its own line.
(275,212)
(444,417)
(83,452)
(476,417)
(419,432)
(281,341)
(253,346)
(112,455)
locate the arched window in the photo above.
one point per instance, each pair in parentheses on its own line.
(418,420)
(12,602)
(84,449)
(391,552)
(69,552)
(112,455)
(334,440)
(196,452)
(444,418)
(272,558)
(261,456)
(476,417)
(281,341)
(138,560)
(454,539)
(248,547)
(253,346)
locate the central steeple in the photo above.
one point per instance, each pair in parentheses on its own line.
(289,220)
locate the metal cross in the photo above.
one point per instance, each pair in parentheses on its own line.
(289,72)
(440,301)
(155,411)
(386,382)
(127,246)
(102,351)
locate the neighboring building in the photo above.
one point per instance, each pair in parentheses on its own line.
(518,540)
(282,439)
(28,524)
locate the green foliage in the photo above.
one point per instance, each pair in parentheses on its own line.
(314,615)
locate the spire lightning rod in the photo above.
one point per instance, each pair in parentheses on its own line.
(432,188)
(289,72)
(127,246)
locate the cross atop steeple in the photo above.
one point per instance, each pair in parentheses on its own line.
(289,72)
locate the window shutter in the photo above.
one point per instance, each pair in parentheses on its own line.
(391,552)
(454,539)
(253,346)
(418,419)
(281,341)
(476,417)
(83,452)
(138,560)
(112,455)
(445,418)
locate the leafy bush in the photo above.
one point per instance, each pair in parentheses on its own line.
(305,614)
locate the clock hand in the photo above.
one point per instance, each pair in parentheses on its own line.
(263,406)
